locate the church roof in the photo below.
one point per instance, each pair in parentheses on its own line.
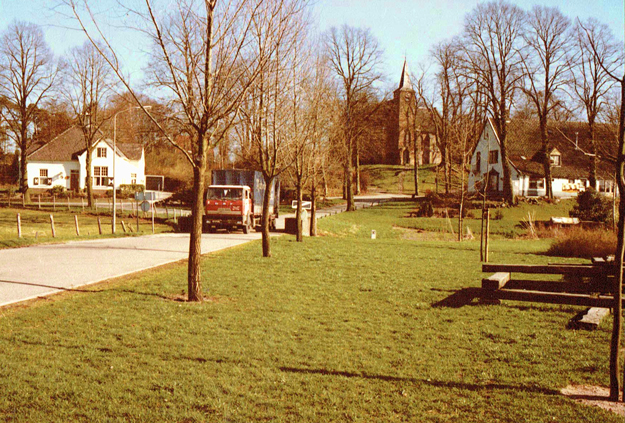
(404,82)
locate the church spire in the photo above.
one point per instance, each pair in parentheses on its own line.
(404,82)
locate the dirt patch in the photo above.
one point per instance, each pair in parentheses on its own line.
(596,396)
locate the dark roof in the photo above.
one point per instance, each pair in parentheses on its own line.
(524,145)
(71,143)
(404,81)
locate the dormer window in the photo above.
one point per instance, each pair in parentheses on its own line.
(101,152)
(493,156)
(555,158)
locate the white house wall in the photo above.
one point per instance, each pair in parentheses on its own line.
(488,142)
(59,172)
(124,168)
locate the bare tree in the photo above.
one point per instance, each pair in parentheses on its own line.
(27,75)
(203,62)
(607,65)
(590,82)
(269,120)
(547,67)
(354,55)
(88,82)
(492,36)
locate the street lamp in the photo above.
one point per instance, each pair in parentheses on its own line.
(113,224)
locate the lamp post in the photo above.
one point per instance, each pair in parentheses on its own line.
(113,224)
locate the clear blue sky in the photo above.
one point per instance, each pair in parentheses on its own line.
(403,27)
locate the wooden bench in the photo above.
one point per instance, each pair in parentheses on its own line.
(588,285)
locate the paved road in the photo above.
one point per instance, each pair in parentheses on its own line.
(40,270)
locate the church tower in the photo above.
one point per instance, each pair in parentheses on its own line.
(402,129)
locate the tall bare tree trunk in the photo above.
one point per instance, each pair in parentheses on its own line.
(546,159)
(357,168)
(265,219)
(349,172)
(299,236)
(89,183)
(194,276)
(313,208)
(24,176)
(617,326)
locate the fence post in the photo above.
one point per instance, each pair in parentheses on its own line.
(68,208)
(76,223)
(123,226)
(23,202)
(137,207)
(52,226)
(19,226)
(121,206)
(54,203)
(39,201)
(99,226)
(82,203)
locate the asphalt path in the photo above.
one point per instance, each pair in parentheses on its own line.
(41,270)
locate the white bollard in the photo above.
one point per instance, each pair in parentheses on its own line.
(373,234)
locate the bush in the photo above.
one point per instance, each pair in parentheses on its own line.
(593,206)
(57,191)
(128,190)
(497,215)
(426,210)
(578,242)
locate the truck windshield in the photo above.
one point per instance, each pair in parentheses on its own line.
(224,194)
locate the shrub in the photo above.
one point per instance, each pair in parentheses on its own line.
(593,206)
(57,190)
(128,190)
(578,242)
(497,214)
(426,210)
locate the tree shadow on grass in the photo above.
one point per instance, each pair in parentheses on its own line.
(435,383)
(459,298)
(172,297)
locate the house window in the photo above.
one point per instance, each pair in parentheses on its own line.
(133,178)
(43,178)
(486,135)
(101,152)
(493,156)
(100,176)
(478,162)
(555,160)
(537,183)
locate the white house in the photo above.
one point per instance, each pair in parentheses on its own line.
(62,162)
(570,159)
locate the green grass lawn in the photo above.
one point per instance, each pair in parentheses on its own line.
(400,179)
(36,226)
(509,225)
(338,328)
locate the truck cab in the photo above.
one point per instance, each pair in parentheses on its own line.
(228,207)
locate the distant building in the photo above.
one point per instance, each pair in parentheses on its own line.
(62,162)
(570,159)
(405,123)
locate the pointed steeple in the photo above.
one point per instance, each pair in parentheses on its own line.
(404,82)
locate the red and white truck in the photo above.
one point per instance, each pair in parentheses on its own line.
(235,201)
